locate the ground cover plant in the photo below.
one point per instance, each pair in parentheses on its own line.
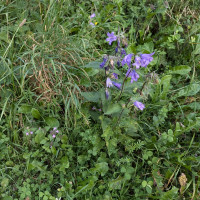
(99,100)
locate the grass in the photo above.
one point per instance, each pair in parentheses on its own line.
(50,77)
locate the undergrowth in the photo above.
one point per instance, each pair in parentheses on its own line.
(61,137)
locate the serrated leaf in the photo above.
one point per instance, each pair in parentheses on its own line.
(189,90)
(52,122)
(35,113)
(181,69)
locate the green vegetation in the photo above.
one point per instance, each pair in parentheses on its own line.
(61,138)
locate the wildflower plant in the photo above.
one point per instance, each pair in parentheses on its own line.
(124,82)
(121,68)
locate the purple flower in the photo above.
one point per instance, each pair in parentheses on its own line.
(115,75)
(93,108)
(118,63)
(137,62)
(118,85)
(127,60)
(31,132)
(57,131)
(27,133)
(99,109)
(108,83)
(53,135)
(139,105)
(143,60)
(54,128)
(146,59)
(116,49)
(111,37)
(123,52)
(103,63)
(92,16)
(107,93)
(132,73)
(92,24)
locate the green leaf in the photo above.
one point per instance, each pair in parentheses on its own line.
(4,182)
(171,194)
(181,69)
(116,183)
(189,90)
(65,162)
(144,184)
(113,108)
(40,135)
(94,65)
(91,96)
(165,82)
(35,113)
(91,71)
(25,109)
(52,122)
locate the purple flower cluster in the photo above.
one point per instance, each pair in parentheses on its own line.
(29,133)
(141,60)
(54,132)
(91,17)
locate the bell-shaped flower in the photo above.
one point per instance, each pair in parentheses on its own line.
(118,85)
(139,105)
(111,37)
(127,60)
(92,16)
(132,74)
(108,83)
(103,63)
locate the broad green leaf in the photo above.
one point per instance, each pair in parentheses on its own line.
(189,90)
(171,194)
(91,71)
(40,135)
(25,109)
(181,69)
(52,122)
(91,96)
(165,82)
(65,162)
(113,108)
(4,182)
(94,65)
(144,183)
(35,113)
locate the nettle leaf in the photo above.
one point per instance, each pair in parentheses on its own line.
(91,96)
(181,69)
(52,122)
(113,108)
(189,90)
(25,109)
(171,194)
(35,113)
